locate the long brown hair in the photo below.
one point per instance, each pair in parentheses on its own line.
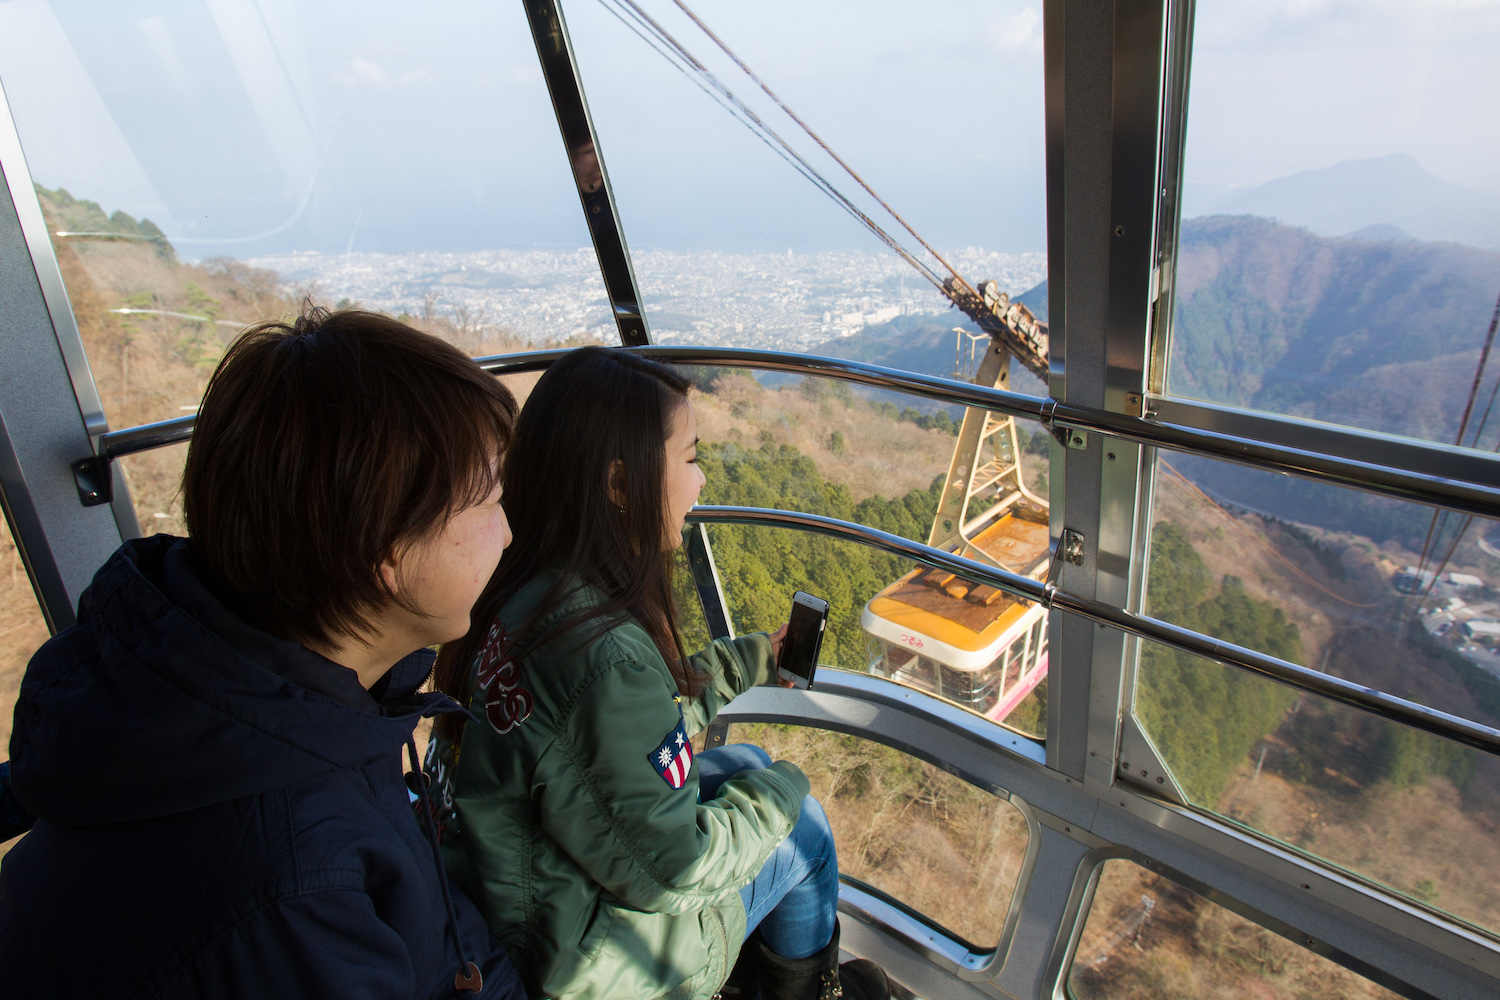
(594,407)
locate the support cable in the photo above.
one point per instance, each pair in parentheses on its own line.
(675,62)
(1440,517)
(819,140)
(758,126)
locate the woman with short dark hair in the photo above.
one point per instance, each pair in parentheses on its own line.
(611,861)
(213,750)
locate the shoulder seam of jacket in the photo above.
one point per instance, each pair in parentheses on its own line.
(615,656)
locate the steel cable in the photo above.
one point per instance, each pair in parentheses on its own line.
(819,140)
(1440,517)
(748,117)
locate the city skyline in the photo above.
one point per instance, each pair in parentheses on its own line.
(769,300)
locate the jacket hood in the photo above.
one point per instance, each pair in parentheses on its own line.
(160,699)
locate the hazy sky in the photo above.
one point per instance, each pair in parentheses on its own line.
(255,126)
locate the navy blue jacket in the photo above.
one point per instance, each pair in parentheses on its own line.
(221,813)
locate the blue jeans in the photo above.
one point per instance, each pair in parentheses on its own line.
(795,897)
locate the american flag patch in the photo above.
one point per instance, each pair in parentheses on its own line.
(674,758)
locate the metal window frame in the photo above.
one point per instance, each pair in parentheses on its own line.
(554,49)
(50,411)
(1432,474)
(1099,858)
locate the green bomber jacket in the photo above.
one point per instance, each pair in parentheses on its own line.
(571,812)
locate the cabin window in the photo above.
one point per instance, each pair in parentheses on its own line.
(760,568)
(733,248)
(1336,258)
(1328,578)
(1147,937)
(948,851)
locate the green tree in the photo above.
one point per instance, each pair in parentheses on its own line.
(761,567)
(1204,717)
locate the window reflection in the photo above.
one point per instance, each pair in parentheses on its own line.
(1379,591)
(1404,809)
(1350,584)
(202,168)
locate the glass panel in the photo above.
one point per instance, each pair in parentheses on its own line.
(1412,812)
(1386,593)
(22,632)
(814,446)
(1148,938)
(732,247)
(1339,255)
(948,850)
(212,164)
(155,482)
(1333,579)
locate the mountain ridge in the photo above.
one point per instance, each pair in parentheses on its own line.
(1386,191)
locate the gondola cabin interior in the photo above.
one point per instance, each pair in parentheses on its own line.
(1162,657)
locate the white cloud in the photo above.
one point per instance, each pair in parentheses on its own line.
(365,74)
(1016,32)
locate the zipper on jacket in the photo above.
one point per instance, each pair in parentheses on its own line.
(724,953)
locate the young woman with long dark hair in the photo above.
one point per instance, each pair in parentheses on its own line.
(608,860)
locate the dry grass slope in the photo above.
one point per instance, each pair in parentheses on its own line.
(1147,938)
(931,840)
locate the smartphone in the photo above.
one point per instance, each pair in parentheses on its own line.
(804,637)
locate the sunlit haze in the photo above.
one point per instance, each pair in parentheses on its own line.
(248,127)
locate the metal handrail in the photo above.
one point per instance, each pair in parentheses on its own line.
(1367,699)
(1467,496)
(1471,495)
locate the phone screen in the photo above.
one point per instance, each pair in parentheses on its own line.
(804,638)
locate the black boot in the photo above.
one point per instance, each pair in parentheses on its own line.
(744,980)
(820,977)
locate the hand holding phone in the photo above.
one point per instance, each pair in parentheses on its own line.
(804,638)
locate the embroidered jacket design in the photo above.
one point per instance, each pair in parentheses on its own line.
(674,758)
(506,703)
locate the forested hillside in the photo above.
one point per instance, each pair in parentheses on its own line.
(1205,718)
(762,567)
(1378,335)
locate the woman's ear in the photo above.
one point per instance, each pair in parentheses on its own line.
(615,482)
(390,570)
